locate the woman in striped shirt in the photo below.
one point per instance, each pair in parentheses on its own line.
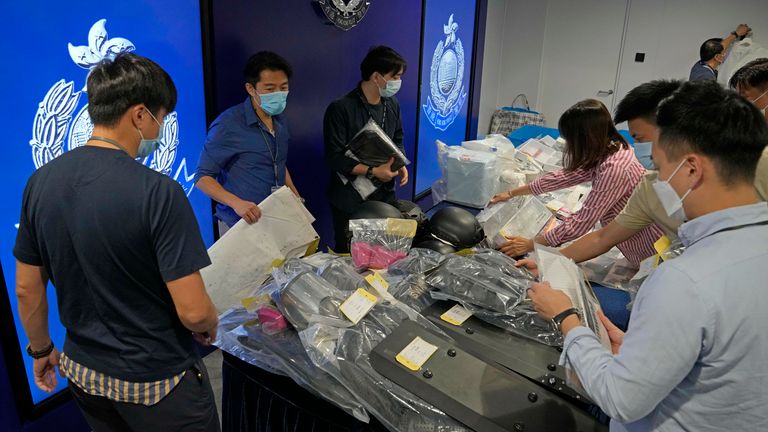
(596,152)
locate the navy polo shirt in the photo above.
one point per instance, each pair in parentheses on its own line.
(239,153)
(702,72)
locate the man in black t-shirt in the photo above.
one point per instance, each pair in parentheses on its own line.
(121,245)
(372,99)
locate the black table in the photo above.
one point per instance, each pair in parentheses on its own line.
(255,400)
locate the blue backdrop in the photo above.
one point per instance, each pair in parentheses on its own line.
(446,68)
(45,100)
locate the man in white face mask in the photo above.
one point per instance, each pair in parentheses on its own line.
(751,81)
(694,355)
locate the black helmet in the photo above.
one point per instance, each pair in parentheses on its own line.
(437,246)
(411,210)
(376,210)
(456,226)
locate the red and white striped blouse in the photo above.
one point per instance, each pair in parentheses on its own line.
(612,183)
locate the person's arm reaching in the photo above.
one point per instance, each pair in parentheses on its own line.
(630,383)
(215,156)
(598,242)
(741,31)
(247,210)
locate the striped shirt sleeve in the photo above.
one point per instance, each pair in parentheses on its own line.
(608,186)
(561,179)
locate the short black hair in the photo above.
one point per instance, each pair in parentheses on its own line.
(753,74)
(710,48)
(265,60)
(381,59)
(702,117)
(127,80)
(643,100)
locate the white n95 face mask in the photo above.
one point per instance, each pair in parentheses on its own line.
(673,204)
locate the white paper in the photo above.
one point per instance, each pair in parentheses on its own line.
(358,305)
(456,315)
(243,258)
(416,353)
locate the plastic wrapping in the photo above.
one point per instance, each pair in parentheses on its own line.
(565,202)
(523,216)
(439,191)
(377,243)
(373,147)
(476,283)
(344,353)
(564,275)
(610,269)
(493,143)
(340,348)
(307,298)
(283,354)
(341,273)
(413,291)
(418,261)
(471,177)
(544,152)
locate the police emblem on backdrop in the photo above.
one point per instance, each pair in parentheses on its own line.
(344,14)
(446,82)
(54,125)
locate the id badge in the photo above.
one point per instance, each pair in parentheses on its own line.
(275,188)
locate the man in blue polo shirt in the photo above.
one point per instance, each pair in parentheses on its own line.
(712,54)
(244,158)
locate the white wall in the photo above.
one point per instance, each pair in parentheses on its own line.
(671,31)
(512,58)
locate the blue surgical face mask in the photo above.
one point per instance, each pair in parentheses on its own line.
(273,103)
(391,88)
(148,146)
(643,154)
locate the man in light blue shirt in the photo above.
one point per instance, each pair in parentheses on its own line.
(695,356)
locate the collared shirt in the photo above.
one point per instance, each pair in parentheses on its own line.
(702,72)
(694,356)
(612,184)
(239,154)
(644,208)
(343,120)
(98,384)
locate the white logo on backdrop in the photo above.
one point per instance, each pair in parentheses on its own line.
(446,79)
(54,114)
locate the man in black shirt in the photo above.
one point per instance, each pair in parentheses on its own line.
(121,245)
(373,98)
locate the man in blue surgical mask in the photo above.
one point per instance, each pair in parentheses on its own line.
(244,158)
(372,99)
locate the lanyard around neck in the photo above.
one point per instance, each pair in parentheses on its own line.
(271,153)
(370,114)
(109,141)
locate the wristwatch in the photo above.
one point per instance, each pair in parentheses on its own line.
(735,33)
(369,173)
(558,319)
